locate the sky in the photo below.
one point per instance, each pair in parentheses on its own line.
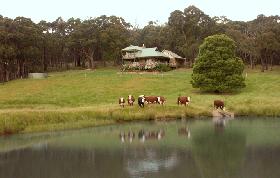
(138,12)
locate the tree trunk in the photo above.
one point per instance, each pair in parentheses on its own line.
(77,59)
(262,63)
(21,69)
(91,61)
(89,56)
(18,68)
(7,74)
(271,62)
(251,62)
(45,61)
(1,72)
(266,62)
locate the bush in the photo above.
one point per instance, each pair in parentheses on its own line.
(126,67)
(162,68)
(158,67)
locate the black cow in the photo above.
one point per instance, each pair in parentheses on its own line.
(141,101)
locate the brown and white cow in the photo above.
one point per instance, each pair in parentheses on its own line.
(219,104)
(161,100)
(121,101)
(151,99)
(130,100)
(155,99)
(184,100)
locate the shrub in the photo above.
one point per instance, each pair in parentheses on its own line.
(157,67)
(162,68)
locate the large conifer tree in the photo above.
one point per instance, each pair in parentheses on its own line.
(216,67)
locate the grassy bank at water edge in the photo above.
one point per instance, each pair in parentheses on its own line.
(84,98)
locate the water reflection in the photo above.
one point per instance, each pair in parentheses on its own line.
(142,135)
(151,163)
(184,131)
(151,135)
(220,123)
(217,149)
(220,153)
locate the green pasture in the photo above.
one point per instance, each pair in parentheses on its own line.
(83,98)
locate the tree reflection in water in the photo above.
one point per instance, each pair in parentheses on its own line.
(225,149)
(219,153)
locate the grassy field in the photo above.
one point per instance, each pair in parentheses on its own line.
(84,98)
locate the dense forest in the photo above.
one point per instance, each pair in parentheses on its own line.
(60,45)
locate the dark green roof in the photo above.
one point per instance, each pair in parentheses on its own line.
(142,52)
(150,52)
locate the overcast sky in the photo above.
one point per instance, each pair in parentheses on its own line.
(135,12)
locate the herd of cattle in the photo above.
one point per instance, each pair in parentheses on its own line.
(182,100)
(142,99)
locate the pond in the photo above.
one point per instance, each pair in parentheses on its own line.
(239,148)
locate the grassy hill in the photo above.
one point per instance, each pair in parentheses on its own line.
(75,99)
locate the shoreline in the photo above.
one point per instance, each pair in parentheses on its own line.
(81,98)
(18,121)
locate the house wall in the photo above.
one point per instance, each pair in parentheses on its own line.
(148,63)
(129,55)
(180,63)
(175,63)
(172,62)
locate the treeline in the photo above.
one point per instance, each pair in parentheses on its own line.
(60,45)
(50,46)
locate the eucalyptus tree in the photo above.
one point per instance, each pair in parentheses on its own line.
(114,35)
(58,37)
(191,27)
(73,44)
(25,37)
(45,43)
(245,40)
(267,39)
(96,40)
(150,35)
(59,45)
(7,48)
(19,47)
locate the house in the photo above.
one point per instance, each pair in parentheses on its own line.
(149,58)
(175,60)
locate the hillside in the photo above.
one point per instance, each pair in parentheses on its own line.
(84,98)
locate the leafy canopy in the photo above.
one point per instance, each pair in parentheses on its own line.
(216,67)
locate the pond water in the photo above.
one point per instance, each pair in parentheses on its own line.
(239,148)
